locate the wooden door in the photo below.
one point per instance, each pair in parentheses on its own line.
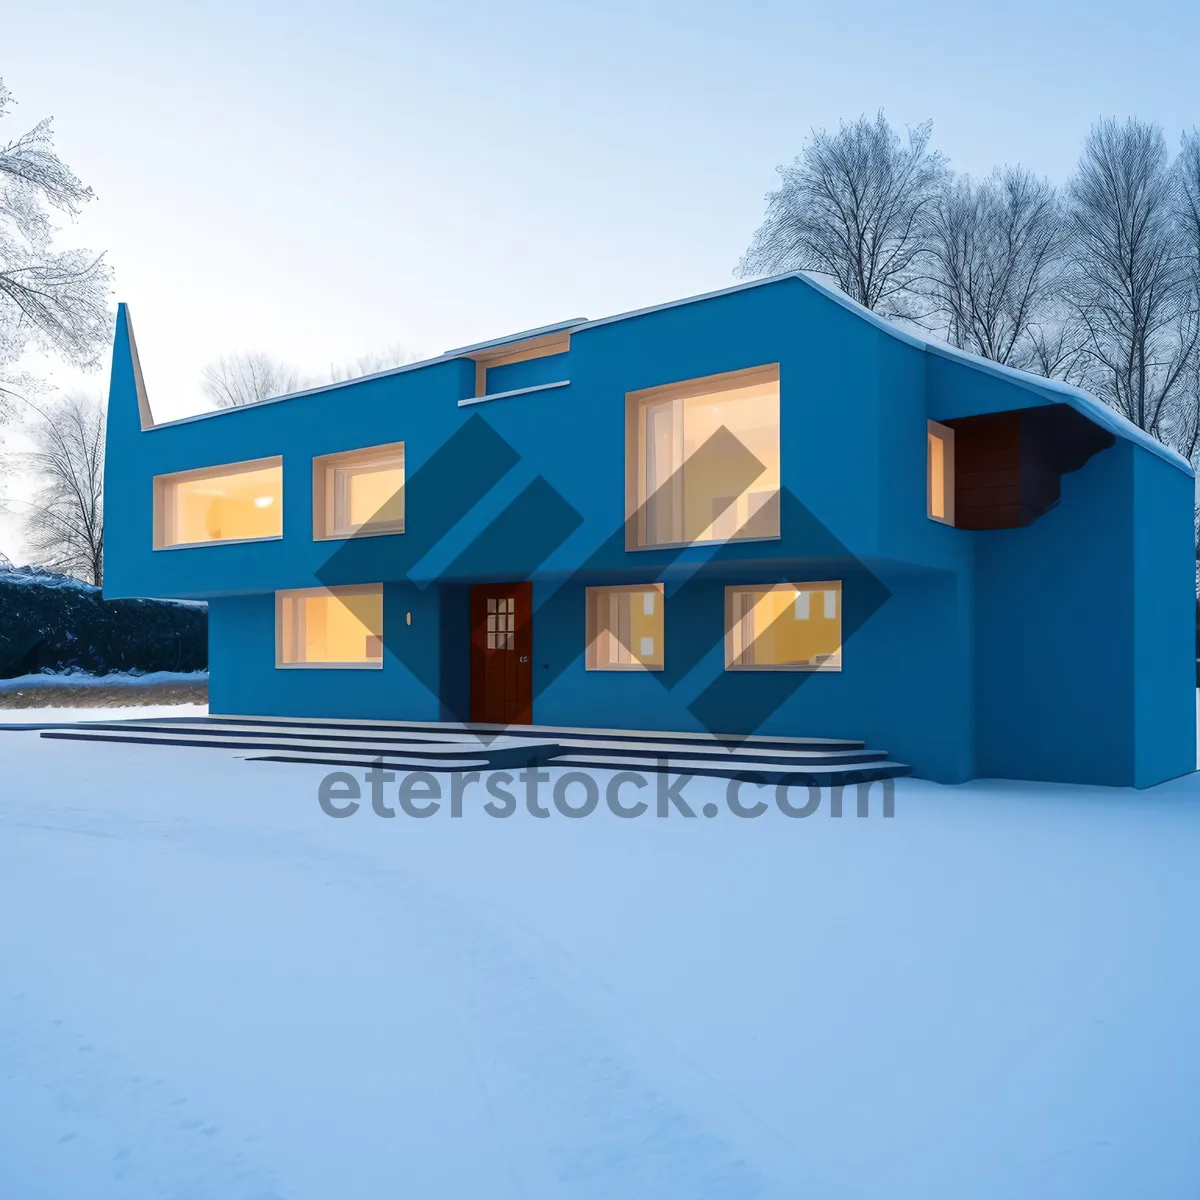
(501,653)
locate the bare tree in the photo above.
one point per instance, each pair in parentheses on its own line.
(1131,281)
(50,300)
(996,267)
(1056,344)
(1185,406)
(854,206)
(392,356)
(63,525)
(237,379)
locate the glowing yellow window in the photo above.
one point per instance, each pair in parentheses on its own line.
(702,460)
(625,628)
(940,473)
(359,493)
(236,502)
(784,627)
(329,627)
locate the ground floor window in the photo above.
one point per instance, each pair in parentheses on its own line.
(625,628)
(329,627)
(784,627)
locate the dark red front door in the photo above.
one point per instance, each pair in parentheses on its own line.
(501,650)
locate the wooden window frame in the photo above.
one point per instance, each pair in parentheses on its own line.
(162,484)
(593,597)
(945,435)
(515,352)
(636,404)
(827,585)
(323,499)
(358,589)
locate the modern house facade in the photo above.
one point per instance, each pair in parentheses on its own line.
(760,510)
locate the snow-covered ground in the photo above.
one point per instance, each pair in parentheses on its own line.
(208,988)
(134,712)
(115,679)
(78,696)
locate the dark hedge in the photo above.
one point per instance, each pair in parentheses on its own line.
(52,623)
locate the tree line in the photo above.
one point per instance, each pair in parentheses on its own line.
(1095,281)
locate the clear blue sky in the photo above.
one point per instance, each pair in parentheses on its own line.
(321,180)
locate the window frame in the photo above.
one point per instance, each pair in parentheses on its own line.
(936,432)
(357,589)
(825,585)
(324,499)
(508,353)
(161,484)
(593,597)
(636,405)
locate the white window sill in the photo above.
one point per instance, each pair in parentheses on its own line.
(525,391)
(329,666)
(275,537)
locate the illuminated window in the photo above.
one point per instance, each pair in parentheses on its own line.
(329,627)
(702,460)
(359,493)
(784,627)
(236,502)
(940,490)
(625,628)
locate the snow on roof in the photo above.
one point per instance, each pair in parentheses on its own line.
(524,335)
(1053,391)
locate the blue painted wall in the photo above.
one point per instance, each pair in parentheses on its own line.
(1163,620)
(1059,651)
(1055,634)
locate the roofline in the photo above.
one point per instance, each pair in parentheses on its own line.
(1055,390)
(525,335)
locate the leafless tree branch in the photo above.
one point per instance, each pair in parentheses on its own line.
(55,301)
(63,523)
(237,379)
(854,206)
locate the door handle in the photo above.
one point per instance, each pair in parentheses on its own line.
(524,657)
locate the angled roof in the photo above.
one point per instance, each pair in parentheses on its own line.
(524,336)
(1054,391)
(1051,391)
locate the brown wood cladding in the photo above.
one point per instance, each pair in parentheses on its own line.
(1007,465)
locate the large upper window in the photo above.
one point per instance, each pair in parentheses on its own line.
(784,627)
(330,627)
(702,460)
(625,628)
(359,493)
(940,473)
(236,502)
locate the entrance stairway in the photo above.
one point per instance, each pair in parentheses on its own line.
(447,746)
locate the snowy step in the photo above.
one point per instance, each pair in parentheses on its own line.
(200,733)
(452,746)
(648,752)
(750,770)
(536,732)
(498,753)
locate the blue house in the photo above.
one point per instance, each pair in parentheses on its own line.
(759,510)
